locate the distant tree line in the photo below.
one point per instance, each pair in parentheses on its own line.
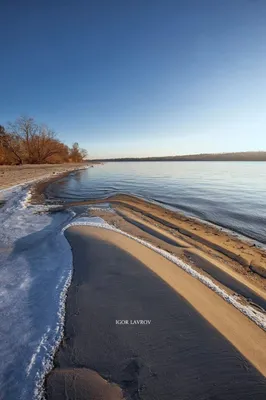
(239,156)
(27,142)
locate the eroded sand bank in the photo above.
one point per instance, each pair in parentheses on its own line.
(196,345)
(226,272)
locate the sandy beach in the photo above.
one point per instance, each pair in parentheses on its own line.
(191,231)
(191,344)
(11,175)
(235,264)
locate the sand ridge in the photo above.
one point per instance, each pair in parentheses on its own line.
(196,253)
(248,256)
(225,318)
(193,346)
(241,258)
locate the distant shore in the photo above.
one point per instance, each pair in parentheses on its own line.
(239,156)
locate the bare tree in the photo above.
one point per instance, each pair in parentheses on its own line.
(84,153)
(25,141)
(26,129)
(43,145)
(11,148)
(75,153)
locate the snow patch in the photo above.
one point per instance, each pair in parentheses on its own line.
(36,270)
(101,208)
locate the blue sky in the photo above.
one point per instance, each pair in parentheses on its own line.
(138,77)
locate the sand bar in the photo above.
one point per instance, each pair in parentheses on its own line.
(195,346)
(239,265)
(226,272)
(247,258)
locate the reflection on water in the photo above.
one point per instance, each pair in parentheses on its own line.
(230,194)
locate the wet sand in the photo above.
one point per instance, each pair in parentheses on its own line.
(196,346)
(138,217)
(221,271)
(241,257)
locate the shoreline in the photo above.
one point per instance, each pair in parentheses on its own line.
(173,232)
(239,257)
(31,174)
(237,265)
(227,230)
(146,282)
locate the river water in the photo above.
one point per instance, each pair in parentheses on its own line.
(229,194)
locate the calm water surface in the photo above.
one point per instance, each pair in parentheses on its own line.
(230,194)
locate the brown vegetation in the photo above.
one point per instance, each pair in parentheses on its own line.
(26,142)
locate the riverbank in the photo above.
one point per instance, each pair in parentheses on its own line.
(11,175)
(123,286)
(192,345)
(238,264)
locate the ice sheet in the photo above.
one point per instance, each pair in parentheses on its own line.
(36,266)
